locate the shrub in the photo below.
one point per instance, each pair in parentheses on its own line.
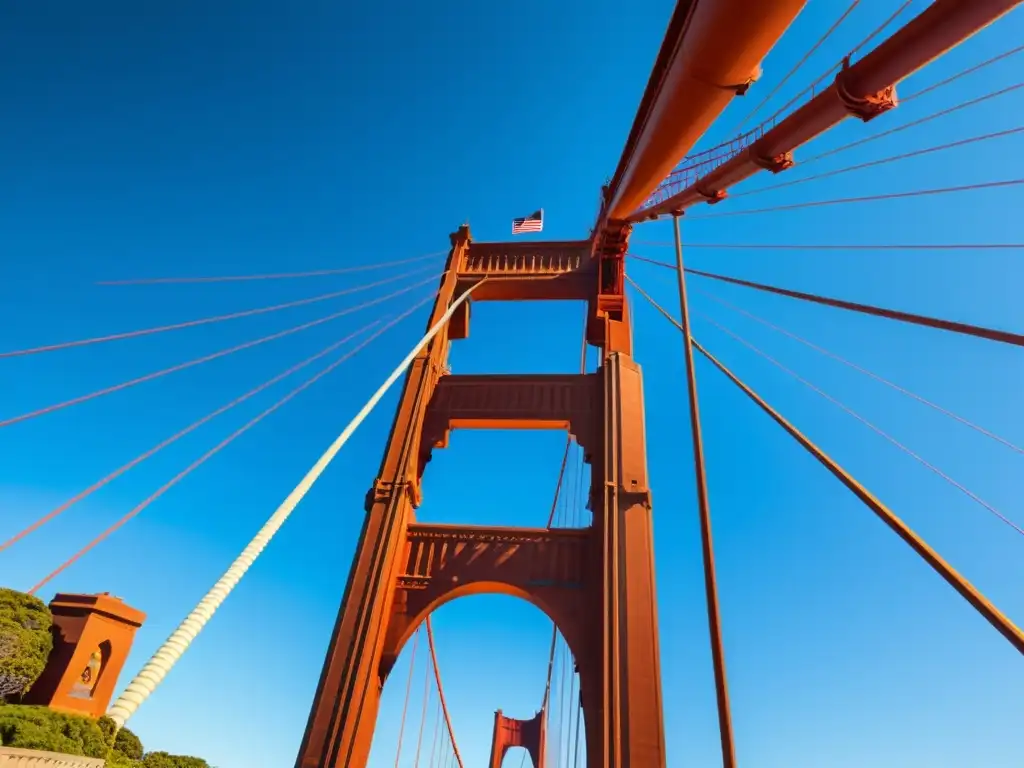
(117,760)
(128,744)
(165,760)
(124,743)
(28,727)
(25,640)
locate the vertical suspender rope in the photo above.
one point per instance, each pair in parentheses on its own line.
(156,669)
(704,511)
(408,691)
(440,691)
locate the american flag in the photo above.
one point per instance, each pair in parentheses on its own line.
(532,223)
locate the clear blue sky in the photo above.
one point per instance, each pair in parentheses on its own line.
(243,137)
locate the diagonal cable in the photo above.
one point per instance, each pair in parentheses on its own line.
(205,358)
(156,669)
(220,446)
(207,320)
(865,371)
(272,275)
(177,436)
(963,489)
(959,486)
(963,73)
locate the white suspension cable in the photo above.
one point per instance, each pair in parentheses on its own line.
(156,669)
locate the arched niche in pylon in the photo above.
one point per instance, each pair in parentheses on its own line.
(409,614)
(548,568)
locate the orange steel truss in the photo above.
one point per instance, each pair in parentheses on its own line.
(596,584)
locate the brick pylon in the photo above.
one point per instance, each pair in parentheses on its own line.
(530,734)
(596,584)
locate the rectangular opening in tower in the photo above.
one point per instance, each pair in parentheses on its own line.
(522,337)
(507,477)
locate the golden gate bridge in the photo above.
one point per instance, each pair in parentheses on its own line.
(592,575)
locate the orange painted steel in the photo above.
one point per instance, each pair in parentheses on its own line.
(864,89)
(596,584)
(509,732)
(712,52)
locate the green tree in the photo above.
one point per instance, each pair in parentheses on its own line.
(25,640)
(165,760)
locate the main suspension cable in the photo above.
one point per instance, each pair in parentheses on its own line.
(912,124)
(865,199)
(221,445)
(883,161)
(208,320)
(207,358)
(821,78)
(692,162)
(177,436)
(273,275)
(157,668)
(865,371)
(796,67)
(931,467)
(993,615)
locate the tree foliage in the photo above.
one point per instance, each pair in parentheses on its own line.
(25,640)
(42,728)
(165,760)
(123,741)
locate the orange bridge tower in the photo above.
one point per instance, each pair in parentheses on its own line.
(596,584)
(530,734)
